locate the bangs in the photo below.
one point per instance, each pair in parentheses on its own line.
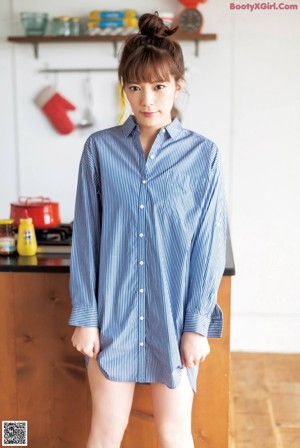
(151,66)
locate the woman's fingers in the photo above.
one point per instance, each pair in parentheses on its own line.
(194,349)
(192,362)
(87,341)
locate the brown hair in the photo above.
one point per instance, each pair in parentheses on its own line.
(151,55)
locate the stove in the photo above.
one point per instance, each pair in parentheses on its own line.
(55,240)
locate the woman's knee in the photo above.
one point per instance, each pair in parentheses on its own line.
(173,413)
(107,433)
(175,435)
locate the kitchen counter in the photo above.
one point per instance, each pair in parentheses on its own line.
(60,263)
(44,377)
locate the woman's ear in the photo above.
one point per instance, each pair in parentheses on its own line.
(178,87)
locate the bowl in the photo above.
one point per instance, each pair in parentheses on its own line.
(34,23)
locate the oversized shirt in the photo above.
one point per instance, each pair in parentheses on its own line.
(148,248)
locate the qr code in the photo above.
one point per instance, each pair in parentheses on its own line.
(14,433)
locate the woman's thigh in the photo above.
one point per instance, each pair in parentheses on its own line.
(111,404)
(173,412)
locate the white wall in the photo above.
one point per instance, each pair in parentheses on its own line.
(266,181)
(243,94)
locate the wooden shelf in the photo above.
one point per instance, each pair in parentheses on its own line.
(36,40)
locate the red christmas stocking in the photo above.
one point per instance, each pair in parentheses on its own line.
(55,107)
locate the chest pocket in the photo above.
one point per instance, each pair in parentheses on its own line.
(180,201)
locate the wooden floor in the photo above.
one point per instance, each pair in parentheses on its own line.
(265,401)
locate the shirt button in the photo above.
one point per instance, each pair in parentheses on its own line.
(141,317)
(142,290)
(141,262)
(142,206)
(141,344)
(141,235)
(163,130)
(144,181)
(152,156)
(218,224)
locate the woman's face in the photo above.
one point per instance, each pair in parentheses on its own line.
(152,102)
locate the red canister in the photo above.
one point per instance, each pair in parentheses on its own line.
(45,213)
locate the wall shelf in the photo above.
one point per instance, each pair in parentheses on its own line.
(114,39)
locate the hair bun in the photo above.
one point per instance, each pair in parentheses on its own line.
(152,25)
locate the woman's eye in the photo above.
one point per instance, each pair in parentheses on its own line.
(160,86)
(134,88)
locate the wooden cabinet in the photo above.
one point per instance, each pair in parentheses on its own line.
(42,376)
(43,379)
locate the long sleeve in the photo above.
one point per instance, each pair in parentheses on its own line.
(208,256)
(86,242)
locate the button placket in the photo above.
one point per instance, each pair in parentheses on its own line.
(160,138)
(142,263)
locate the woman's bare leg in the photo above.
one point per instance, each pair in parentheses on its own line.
(111,405)
(173,413)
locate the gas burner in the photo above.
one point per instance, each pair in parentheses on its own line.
(60,235)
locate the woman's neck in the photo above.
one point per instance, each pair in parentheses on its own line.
(147,137)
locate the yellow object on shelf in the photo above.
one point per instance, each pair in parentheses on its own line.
(119,14)
(26,244)
(113,23)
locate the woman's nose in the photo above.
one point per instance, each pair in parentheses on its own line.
(147,98)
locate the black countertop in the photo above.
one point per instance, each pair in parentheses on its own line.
(60,263)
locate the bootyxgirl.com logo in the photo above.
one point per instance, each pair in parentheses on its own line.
(262,6)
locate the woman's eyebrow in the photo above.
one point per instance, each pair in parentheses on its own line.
(147,82)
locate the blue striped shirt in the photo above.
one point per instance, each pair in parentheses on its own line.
(148,250)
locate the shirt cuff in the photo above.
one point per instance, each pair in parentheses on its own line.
(210,326)
(196,323)
(84,317)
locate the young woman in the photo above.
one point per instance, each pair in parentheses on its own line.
(148,249)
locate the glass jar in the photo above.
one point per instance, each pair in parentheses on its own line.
(56,26)
(7,237)
(65,26)
(60,26)
(74,26)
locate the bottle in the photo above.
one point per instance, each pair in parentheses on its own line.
(7,237)
(26,244)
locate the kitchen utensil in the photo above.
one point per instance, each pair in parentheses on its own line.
(34,23)
(87,119)
(44,213)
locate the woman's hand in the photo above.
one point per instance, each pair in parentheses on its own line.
(193,349)
(87,341)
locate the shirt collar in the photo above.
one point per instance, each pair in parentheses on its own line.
(129,125)
(173,129)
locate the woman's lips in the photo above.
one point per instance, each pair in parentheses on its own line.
(148,114)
